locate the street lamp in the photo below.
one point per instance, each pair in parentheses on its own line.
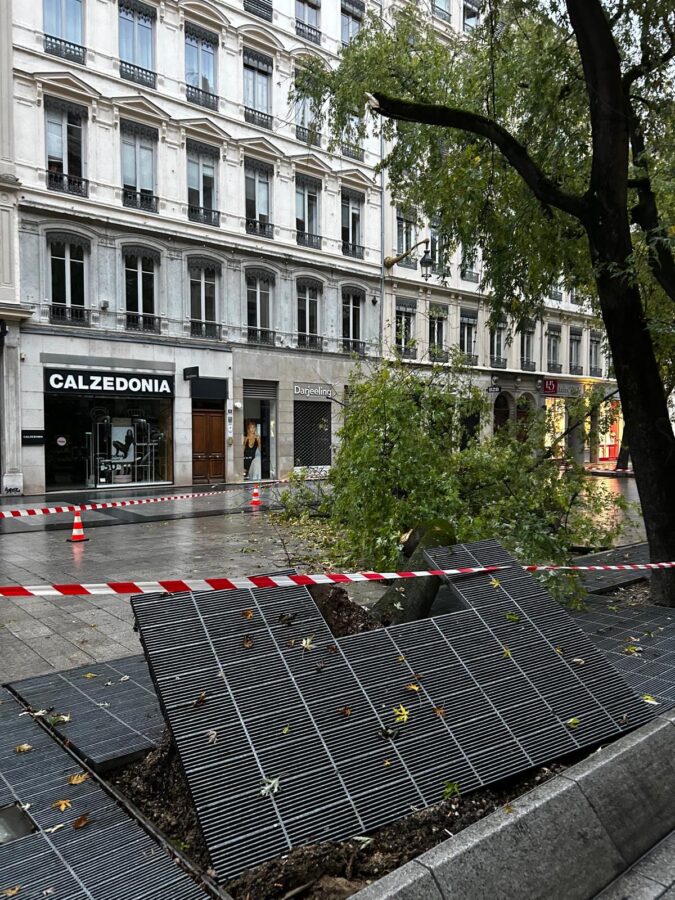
(426,263)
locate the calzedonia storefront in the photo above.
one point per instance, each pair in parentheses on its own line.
(107,428)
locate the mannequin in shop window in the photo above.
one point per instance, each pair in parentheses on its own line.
(252,452)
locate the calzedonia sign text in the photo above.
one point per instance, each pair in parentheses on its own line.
(110,384)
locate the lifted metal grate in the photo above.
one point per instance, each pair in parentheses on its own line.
(113,708)
(109,858)
(253,709)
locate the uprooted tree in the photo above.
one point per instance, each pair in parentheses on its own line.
(546,138)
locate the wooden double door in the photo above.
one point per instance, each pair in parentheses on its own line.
(208,446)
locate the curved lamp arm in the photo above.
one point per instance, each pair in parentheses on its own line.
(390,261)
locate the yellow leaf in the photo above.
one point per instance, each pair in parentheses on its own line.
(495,582)
(401,658)
(23,748)
(386,763)
(574,722)
(201,699)
(632,650)
(508,808)
(12,892)
(61,805)
(346,711)
(559,651)
(247,614)
(55,828)
(78,778)
(649,699)
(308,643)
(415,688)
(286,729)
(90,675)
(506,654)
(440,711)
(402,714)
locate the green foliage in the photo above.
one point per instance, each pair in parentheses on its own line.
(407,458)
(302,497)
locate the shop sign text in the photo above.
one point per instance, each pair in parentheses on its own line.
(306,391)
(71,381)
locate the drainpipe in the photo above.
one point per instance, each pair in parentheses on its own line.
(382,250)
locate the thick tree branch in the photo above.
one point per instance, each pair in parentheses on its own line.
(648,62)
(543,187)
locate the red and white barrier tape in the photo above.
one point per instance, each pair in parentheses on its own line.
(173,586)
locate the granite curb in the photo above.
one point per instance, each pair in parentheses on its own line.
(567,839)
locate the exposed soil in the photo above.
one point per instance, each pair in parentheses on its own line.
(330,870)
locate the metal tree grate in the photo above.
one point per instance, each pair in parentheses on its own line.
(285,743)
(108,858)
(113,709)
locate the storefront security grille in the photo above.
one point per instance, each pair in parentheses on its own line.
(311,433)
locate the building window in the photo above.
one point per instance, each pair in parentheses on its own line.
(200,66)
(64,124)
(470,15)
(139,289)
(468,330)
(307,20)
(350,20)
(576,367)
(203,291)
(63,29)
(138,165)
(258,177)
(352,305)
(258,307)
(67,278)
(352,208)
(527,347)
(442,9)
(594,359)
(405,237)
(498,346)
(305,129)
(201,178)
(258,88)
(307,193)
(556,293)
(553,348)
(405,328)
(261,8)
(468,269)
(436,249)
(137,22)
(438,315)
(350,139)
(309,297)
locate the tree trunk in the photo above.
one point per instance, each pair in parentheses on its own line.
(624,455)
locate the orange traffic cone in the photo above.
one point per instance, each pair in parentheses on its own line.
(78,530)
(255,499)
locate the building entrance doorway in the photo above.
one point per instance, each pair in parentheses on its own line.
(208,443)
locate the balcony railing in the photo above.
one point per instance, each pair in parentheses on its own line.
(210,330)
(201,98)
(68,184)
(470,359)
(305,239)
(262,229)
(349,345)
(527,365)
(60,314)
(139,200)
(260,336)
(470,275)
(576,369)
(256,117)
(142,322)
(310,341)
(308,32)
(596,372)
(554,367)
(138,74)
(260,8)
(441,13)
(204,215)
(498,362)
(65,49)
(438,355)
(355,250)
(308,135)
(408,263)
(407,352)
(352,152)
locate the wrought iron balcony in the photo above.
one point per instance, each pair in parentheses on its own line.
(308,32)
(261,336)
(260,8)
(470,275)
(527,365)
(556,295)
(441,13)
(408,263)
(352,152)
(498,362)
(407,352)
(68,184)
(305,239)
(355,250)
(255,117)
(470,359)
(437,354)
(555,367)
(210,330)
(351,346)
(308,135)
(65,49)
(60,314)
(139,200)
(142,322)
(576,370)
(596,372)
(204,215)
(201,98)
(136,73)
(262,229)
(310,341)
